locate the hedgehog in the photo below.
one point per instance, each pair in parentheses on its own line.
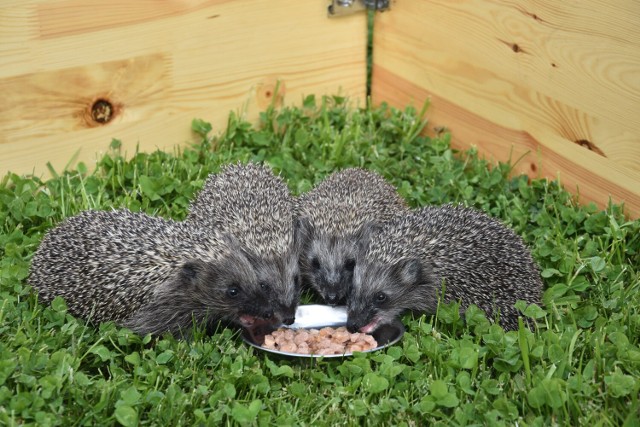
(332,216)
(457,253)
(250,202)
(149,274)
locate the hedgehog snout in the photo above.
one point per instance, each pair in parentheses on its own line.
(332,290)
(289,320)
(288,314)
(332,278)
(353,326)
(355,318)
(332,298)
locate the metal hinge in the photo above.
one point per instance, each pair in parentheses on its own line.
(347,7)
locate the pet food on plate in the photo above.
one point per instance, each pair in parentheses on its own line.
(325,341)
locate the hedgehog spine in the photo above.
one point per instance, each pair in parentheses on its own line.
(404,264)
(150,274)
(252,203)
(333,214)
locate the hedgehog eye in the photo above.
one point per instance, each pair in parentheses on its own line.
(233,291)
(380,297)
(315,263)
(350,264)
(264,286)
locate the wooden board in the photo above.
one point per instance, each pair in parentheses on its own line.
(557,83)
(159,64)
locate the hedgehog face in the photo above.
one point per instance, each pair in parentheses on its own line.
(279,283)
(274,288)
(328,265)
(204,292)
(381,292)
(246,294)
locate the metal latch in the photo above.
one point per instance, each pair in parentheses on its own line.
(347,7)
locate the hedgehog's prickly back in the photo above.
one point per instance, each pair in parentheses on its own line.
(332,215)
(150,274)
(406,264)
(255,205)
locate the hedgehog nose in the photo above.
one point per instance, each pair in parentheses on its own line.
(332,299)
(289,320)
(352,326)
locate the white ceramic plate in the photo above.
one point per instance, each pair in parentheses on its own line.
(319,316)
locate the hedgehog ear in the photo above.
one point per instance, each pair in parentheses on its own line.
(303,231)
(409,271)
(364,234)
(190,271)
(231,240)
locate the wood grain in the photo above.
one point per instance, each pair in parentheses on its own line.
(160,64)
(560,80)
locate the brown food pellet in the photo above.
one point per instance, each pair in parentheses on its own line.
(325,341)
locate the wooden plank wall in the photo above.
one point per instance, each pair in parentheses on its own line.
(159,64)
(557,82)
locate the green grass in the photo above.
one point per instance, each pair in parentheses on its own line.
(580,366)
